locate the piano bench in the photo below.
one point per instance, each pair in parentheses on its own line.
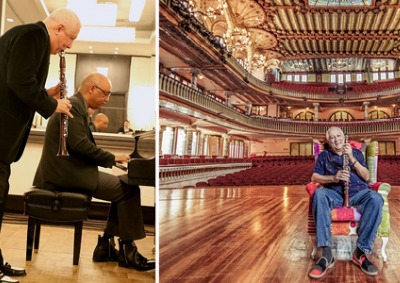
(54,208)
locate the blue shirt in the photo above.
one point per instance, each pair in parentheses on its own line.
(329,163)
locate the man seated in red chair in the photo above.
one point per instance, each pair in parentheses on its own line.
(329,173)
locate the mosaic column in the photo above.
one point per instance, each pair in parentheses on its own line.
(160,138)
(195,74)
(316,107)
(189,141)
(366,103)
(225,146)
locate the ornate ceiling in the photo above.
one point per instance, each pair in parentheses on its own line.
(313,33)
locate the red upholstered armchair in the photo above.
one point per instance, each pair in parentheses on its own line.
(345,220)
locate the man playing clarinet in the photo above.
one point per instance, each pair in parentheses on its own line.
(24,64)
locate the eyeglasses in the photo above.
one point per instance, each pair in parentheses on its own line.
(105,93)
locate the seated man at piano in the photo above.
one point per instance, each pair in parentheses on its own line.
(79,172)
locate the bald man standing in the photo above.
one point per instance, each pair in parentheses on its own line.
(24,64)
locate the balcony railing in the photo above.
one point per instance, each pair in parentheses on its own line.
(171,174)
(194,99)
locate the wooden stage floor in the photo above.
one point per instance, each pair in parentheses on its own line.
(53,262)
(252,234)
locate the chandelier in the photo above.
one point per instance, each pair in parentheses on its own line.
(237,39)
(209,12)
(340,64)
(259,61)
(299,65)
(379,64)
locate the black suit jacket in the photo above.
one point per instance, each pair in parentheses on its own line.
(24,65)
(79,171)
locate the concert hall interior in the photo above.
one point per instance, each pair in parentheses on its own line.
(247,91)
(117,39)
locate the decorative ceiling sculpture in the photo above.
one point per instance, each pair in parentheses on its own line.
(316,30)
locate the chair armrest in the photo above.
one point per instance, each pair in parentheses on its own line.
(383,189)
(310,188)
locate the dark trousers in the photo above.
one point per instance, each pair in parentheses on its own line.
(125,218)
(5,172)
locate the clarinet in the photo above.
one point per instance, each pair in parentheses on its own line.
(347,168)
(62,148)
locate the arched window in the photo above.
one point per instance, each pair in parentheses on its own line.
(378,114)
(305,116)
(341,116)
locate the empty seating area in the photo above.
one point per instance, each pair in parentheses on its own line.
(388,169)
(264,170)
(167,160)
(294,170)
(325,87)
(268,170)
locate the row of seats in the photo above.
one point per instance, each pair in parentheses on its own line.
(182,161)
(388,166)
(287,172)
(291,171)
(255,160)
(324,87)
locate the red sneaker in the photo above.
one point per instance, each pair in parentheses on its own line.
(366,266)
(323,264)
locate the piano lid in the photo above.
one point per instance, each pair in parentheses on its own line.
(144,145)
(141,167)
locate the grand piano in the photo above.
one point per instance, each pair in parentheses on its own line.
(142,166)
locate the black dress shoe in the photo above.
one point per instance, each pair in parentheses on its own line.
(130,257)
(105,251)
(5,278)
(7,269)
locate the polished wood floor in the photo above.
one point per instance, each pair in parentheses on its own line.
(252,234)
(53,261)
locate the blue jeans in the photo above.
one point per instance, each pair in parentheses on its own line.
(368,202)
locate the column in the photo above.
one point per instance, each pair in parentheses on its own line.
(201,144)
(195,74)
(248,109)
(316,106)
(246,146)
(189,141)
(175,140)
(160,138)
(228,98)
(225,146)
(366,103)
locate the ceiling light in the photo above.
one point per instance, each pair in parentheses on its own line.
(9,20)
(136,10)
(44,7)
(237,39)
(107,34)
(102,70)
(105,14)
